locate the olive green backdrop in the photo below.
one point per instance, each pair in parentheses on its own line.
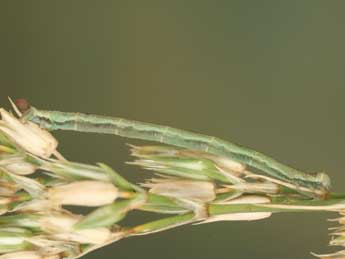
(266,74)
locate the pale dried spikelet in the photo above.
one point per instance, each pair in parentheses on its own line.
(33,187)
(61,226)
(16,164)
(183,189)
(58,222)
(21,168)
(27,135)
(83,193)
(36,205)
(95,236)
(50,247)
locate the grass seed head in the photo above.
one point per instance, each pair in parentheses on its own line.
(27,135)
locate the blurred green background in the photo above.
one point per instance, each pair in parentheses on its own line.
(265,74)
